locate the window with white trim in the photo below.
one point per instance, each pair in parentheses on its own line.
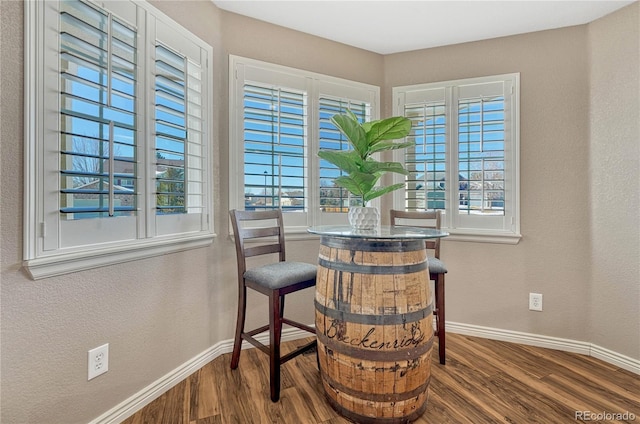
(279,117)
(465,159)
(118,106)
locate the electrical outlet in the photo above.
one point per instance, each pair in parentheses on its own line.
(98,361)
(535,302)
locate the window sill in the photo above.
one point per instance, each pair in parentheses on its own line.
(483,237)
(66,263)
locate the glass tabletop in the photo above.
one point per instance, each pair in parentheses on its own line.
(381,232)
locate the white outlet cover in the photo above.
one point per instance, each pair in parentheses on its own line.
(98,360)
(535,302)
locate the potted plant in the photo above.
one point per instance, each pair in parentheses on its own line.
(363,171)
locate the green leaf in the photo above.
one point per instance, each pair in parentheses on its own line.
(350,184)
(389,145)
(365,180)
(372,166)
(388,129)
(358,183)
(352,129)
(367,126)
(346,160)
(379,191)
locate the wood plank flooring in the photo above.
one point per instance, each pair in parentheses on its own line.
(484,381)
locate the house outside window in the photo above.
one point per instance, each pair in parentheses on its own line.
(465,160)
(279,119)
(118,100)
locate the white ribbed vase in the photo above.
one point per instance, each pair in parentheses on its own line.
(363,217)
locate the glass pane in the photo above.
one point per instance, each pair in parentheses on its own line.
(97,118)
(275,134)
(481,156)
(426,160)
(84,197)
(171,131)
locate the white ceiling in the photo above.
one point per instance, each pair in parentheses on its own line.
(395,26)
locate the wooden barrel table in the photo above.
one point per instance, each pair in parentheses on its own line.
(374,323)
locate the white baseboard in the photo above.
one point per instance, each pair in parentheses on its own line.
(133,404)
(519,337)
(614,358)
(130,406)
(567,345)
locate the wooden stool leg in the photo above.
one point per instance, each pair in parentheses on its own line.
(237,343)
(275,332)
(440,321)
(281,306)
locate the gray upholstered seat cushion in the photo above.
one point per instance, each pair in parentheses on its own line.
(436,266)
(281,274)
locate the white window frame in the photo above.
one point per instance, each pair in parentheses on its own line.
(146,234)
(504,229)
(244,69)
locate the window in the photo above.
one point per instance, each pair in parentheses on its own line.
(117,141)
(465,158)
(279,119)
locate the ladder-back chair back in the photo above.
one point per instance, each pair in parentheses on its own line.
(437,268)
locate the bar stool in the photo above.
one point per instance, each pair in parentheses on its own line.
(274,280)
(437,268)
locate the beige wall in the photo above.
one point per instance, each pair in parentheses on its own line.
(489,284)
(158,313)
(614,44)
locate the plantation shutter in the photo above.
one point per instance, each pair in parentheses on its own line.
(97,114)
(335,97)
(485,160)
(171,131)
(179,151)
(275,131)
(178,148)
(481,122)
(93,110)
(279,119)
(426,159)
(96,103)
(464,160)
(332,197)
